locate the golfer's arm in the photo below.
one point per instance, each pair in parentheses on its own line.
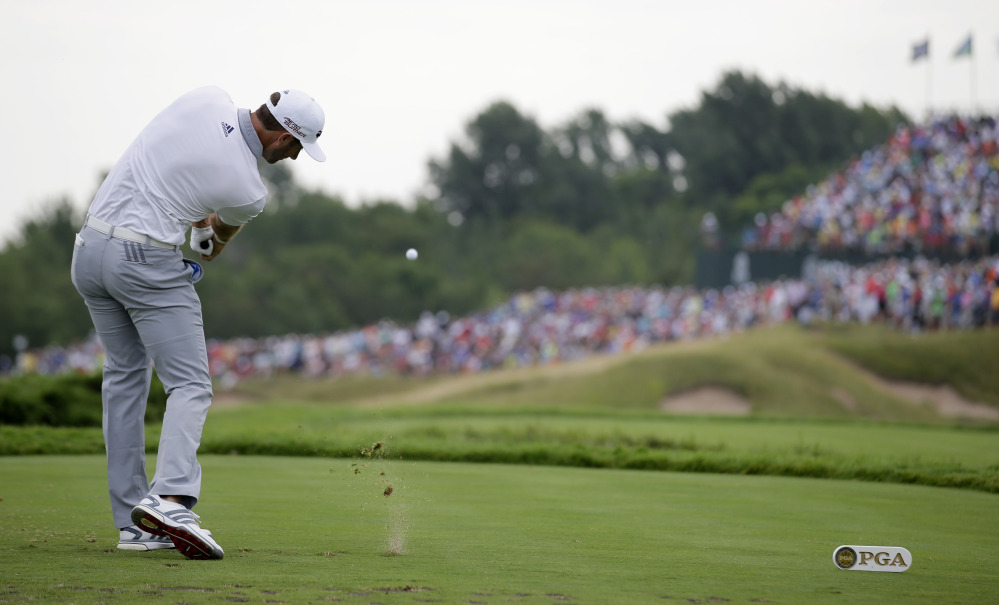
(223,232)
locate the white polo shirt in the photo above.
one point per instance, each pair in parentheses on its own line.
(193,159)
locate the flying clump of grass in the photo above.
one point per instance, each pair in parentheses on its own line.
(396,525)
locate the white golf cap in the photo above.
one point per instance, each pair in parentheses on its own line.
(302,116)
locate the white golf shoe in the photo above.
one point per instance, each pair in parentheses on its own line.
(135,538)
(162,517)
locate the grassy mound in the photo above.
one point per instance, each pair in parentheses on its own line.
(784,372)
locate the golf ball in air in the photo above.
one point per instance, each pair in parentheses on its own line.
(411,254)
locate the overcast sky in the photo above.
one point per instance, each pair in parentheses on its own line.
(399,79)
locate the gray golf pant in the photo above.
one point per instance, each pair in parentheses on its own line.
(145,310)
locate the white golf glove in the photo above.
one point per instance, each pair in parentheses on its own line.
(201,240)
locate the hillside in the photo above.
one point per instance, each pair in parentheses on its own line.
(870,372)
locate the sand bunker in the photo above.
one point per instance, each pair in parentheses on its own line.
(707,400)
(945,399)
(720,401)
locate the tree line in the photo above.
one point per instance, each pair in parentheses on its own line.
(514,206)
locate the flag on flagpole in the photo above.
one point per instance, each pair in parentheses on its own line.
(921,50)
(965,49)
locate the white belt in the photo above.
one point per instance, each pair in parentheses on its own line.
(125,234)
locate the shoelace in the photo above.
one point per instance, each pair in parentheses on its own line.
(197,518)
(187,511)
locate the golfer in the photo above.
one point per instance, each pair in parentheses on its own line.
(193,167)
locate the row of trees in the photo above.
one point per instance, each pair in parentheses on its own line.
(589,202)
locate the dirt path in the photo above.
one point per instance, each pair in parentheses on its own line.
(471,382)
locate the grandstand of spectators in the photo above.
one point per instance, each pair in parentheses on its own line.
(931,188)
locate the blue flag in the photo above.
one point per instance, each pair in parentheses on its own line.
(921,50)
(964,49)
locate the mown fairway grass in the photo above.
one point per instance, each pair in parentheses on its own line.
(301,530)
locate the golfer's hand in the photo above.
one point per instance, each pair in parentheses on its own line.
(201,239)
(212,227)
(204,240)
(216,249)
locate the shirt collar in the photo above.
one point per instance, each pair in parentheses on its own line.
(249,134)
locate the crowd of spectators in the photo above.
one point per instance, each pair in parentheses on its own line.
(931,188)
(543,327)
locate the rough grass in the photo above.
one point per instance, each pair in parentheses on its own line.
(965,360)
(936,455)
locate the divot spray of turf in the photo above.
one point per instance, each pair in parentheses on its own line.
(395,543)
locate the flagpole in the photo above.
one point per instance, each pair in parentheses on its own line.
(921,52)
(929,81)
(974,100)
